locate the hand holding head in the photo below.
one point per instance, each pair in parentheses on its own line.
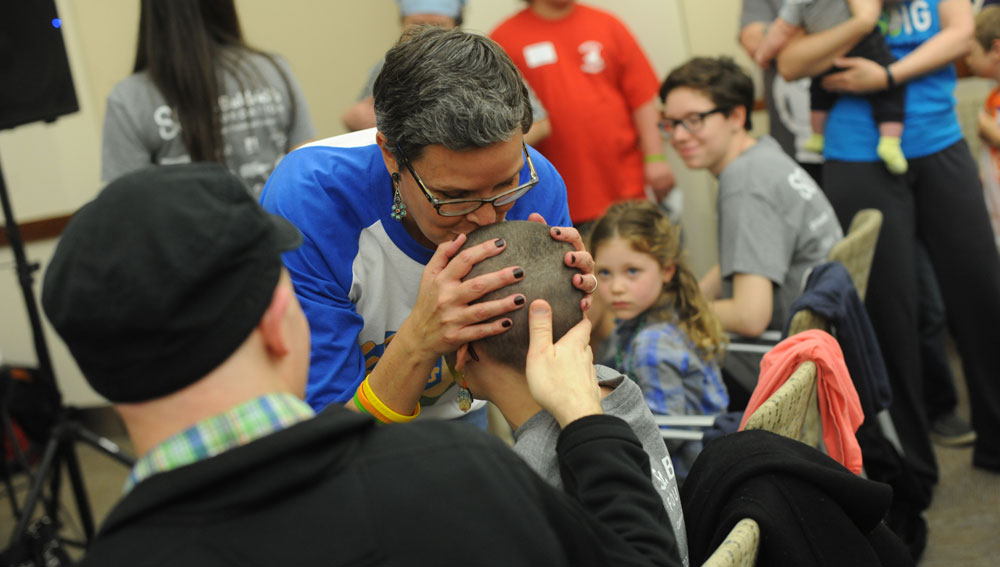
(546,276)
(561,375)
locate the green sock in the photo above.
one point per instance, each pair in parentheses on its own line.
(814,144)
(892,154)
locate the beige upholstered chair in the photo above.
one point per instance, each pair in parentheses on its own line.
(739,549)
(784,412)
(857,249)
(793,410)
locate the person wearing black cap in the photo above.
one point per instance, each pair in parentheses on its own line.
(168,289)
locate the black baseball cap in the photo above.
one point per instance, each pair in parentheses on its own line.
(159,279)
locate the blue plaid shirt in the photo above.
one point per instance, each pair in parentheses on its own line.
(661,358)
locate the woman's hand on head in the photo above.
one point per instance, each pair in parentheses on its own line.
(561,376)
(442,319)
(579,258)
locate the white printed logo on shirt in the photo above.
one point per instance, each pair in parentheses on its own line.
(804,185)
(538,54)
(593,62)
(163,116)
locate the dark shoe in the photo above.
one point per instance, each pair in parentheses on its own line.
(950,430)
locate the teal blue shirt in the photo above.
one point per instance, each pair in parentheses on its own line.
(930,123)
(209,437)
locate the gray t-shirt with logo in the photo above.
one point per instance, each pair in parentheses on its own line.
(774,221)
(262,111)
(535,442)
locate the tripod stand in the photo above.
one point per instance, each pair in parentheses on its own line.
(65,429)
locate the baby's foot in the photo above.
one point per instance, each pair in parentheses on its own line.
(814,144)
(892,154)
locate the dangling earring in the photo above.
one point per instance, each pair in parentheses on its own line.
(464,396)
(398,206)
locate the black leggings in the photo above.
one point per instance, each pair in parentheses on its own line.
(940,202)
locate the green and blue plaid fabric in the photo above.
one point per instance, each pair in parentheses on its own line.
(240,425)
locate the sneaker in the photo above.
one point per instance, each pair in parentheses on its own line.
(950,430)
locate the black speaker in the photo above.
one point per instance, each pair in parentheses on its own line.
(35,80)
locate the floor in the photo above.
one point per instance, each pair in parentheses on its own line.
(964,519)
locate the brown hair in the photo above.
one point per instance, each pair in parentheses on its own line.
(546,276)
(988,26)
(182,44)
(649,231)
(718,78)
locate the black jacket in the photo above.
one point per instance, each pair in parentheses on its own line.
(830,292)
(337,490)
(811,510)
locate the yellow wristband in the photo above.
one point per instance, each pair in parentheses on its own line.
(366,407)
(380,407)
(654,158)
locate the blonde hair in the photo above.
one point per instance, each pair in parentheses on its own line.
(649,231)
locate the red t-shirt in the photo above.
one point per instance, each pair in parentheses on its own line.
(591,75)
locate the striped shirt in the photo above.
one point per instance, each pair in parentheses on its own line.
(209,437)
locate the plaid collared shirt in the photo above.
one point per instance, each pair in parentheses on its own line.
(209,437)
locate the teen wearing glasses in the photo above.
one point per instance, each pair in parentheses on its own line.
(774,223)
(384,213)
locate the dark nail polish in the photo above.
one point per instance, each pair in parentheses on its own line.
(506,323)
(518,273)
(572,258)
(500,242)
(519,300)
(557,231)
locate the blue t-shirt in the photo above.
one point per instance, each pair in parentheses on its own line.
(930,124)
(358,270)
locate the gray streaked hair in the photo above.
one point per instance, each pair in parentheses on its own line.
(448,87)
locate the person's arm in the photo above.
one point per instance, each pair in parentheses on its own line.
(361,115)
(779,33)
(541,126)
(711,284)
(561,376)
(656,170)
(751,36)
(122,149)
(755,16)
(809,55)
(599,463)
(540,129)
(750,309)
(989,130)
(441,321)
(863,75)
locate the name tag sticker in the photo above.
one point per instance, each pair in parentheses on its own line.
(538,54)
